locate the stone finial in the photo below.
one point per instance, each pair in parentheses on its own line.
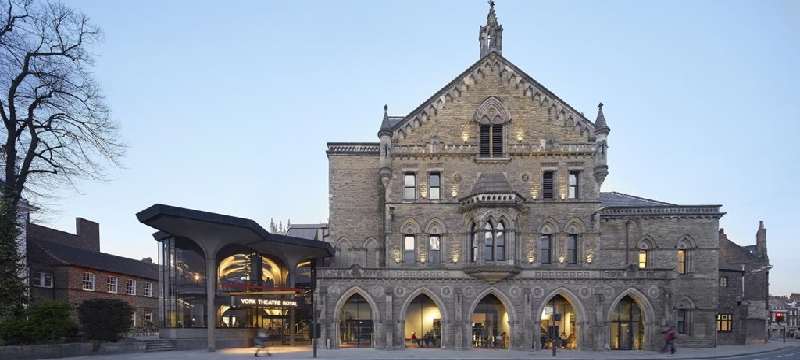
(600,126)
(386,128)
(491,35)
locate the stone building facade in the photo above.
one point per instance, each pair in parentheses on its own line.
(477,220)
(753,293)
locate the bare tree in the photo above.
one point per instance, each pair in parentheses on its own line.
(56,125)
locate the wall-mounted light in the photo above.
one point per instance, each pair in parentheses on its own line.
(534,191)
(589,256)
(423,189)
(454,190)
(520,135)
(465,133)
(561,259)
(562,189)
(396,255)
(531,257)
(454,254)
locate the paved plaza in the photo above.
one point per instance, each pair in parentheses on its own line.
(305,352)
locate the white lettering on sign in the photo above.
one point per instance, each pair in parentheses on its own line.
(268,302)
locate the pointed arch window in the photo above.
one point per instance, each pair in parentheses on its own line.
(685,250)
(572,249)
(473,243)
(409,253)
(500,242)
(495,242)
(488,235)
(545,244)
(434,249)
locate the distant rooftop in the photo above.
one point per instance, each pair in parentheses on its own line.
(615,199)
(99,261)
(305,231)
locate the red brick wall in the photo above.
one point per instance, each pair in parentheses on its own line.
(140,303)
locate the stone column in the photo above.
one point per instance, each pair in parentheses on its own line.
(211,321)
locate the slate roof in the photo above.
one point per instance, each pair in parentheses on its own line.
(615,199)
(97,260)
(394,120)
(491,183)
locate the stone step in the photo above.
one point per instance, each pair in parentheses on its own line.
(159,345)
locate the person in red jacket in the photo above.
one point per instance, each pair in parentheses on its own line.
(669,340)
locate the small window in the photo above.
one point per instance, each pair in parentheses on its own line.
(148,289)
(681,321)
(572,249)
(88,281)
(643,260)
(148,318)
(434,249)
(409,257)
(130,287)
(545,243)
(435,186)
(410,186)
(112,284)
(574,178)
(724,323)
(43,279)
(681,261)
(723,281)
(547,185)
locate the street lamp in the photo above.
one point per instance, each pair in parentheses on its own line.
(314,312)
(554,333)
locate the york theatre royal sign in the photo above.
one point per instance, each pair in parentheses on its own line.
(237,301)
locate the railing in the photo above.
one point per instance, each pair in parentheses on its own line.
(701,210)
(141,332)
(473,148)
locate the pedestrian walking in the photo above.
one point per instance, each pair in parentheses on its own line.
(261,342)
(669,340)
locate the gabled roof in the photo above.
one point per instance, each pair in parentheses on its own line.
(615,199)
(97,260)
(525,82)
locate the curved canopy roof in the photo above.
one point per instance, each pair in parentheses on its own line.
(212,231)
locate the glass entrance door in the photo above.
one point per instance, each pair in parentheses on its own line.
(627,328)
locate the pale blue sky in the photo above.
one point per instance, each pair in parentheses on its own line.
(228,108)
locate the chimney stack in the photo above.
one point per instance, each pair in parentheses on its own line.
(88,234)
(761,239)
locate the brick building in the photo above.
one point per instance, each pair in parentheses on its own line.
(479,216)
(70,267)
(753,293)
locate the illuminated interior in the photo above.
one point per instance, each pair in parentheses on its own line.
(489,320)
(559,332)
(423,320)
